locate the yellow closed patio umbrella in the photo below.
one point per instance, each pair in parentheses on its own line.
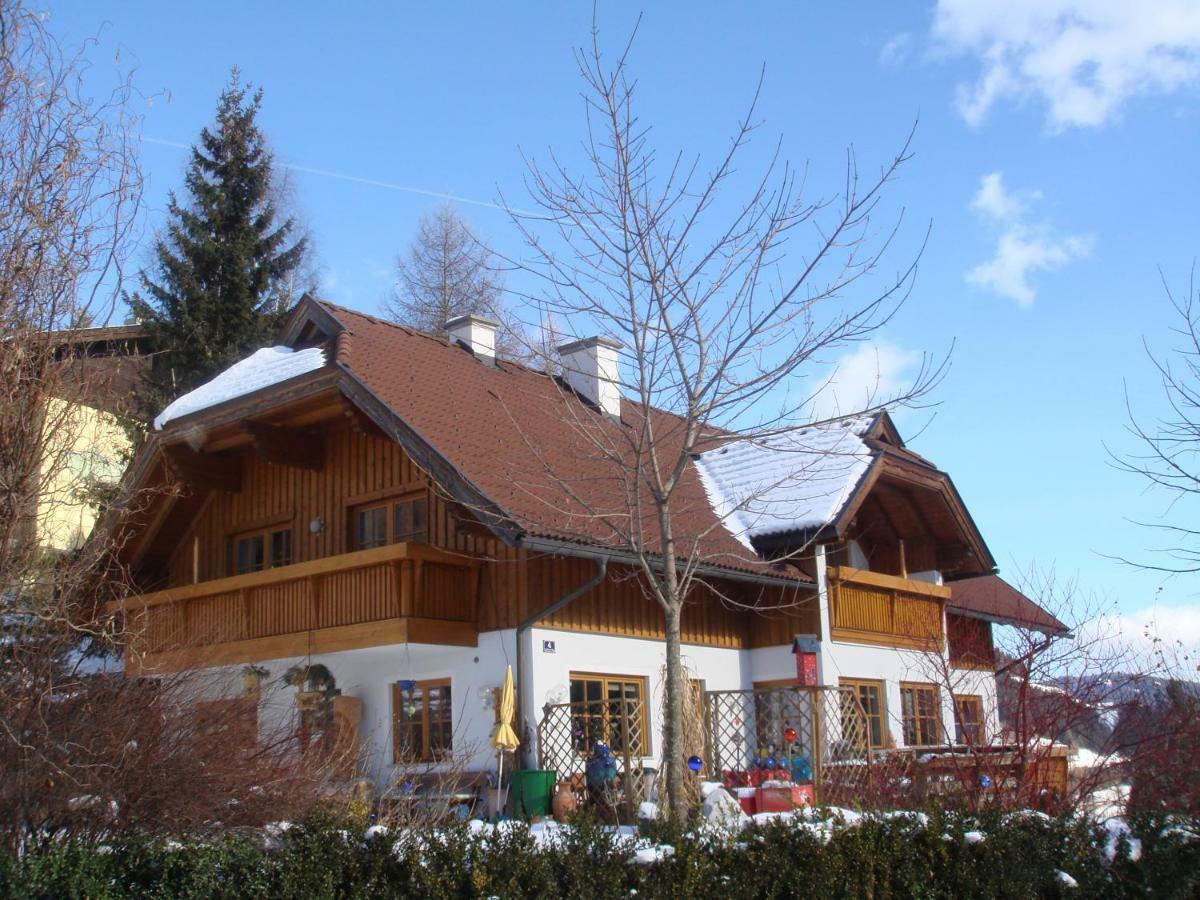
(504,738)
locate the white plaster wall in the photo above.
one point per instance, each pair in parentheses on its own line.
(369,673)
(550,673)
(983,683)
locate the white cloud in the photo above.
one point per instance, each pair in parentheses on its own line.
(896,50)
(1084,59)
(1023,247)
(868,375)
(1167,636)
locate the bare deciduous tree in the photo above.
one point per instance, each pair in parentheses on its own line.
(1057,691)
(1169,459)
(720,321)
(446,272)
(83,749)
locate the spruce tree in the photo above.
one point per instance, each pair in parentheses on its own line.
(224,266)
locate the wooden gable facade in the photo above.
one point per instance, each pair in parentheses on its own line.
(290,484)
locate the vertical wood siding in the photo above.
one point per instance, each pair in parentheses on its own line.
(512,585)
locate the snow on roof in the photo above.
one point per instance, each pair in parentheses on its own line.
(261,369)
(790,481)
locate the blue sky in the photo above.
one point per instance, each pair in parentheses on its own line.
(1055,159)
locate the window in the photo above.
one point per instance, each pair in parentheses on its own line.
(372,528)
(920,714)
(421,718)
(968,719)
(254,551)
(870,695)
(408,521)
(610,708)
(230,724)
(392,522)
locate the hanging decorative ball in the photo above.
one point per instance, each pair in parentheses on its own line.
(789,734)
(772,762)
(985,782)
(695,763)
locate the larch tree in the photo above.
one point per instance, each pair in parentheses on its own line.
(447,271)
(722,326)
(225,266)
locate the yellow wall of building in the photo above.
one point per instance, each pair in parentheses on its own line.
(85,445)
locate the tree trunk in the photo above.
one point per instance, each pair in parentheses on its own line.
(673,742)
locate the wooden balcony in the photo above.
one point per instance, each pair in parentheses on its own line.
(387,595)
(873,608)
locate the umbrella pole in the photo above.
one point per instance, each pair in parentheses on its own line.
(500,793)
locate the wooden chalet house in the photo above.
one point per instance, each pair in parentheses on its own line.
(376,500)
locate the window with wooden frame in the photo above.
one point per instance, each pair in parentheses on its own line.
(263,548)
(870,695)
(394,521)
(920,713)
(612,709)
(422,721)
(230,724)
(968,719)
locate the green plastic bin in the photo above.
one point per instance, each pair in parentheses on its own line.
(529,793)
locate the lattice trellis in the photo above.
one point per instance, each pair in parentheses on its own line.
(817,733)
(568,731)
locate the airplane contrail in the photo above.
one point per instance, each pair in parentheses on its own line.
(372,182)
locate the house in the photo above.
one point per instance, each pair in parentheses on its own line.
(87,448)
(390,505)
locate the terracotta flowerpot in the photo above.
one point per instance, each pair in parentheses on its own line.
(562,804)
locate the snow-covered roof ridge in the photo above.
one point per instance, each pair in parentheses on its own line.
(792,480)
(263,368)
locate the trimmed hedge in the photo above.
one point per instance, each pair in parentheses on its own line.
(877,857)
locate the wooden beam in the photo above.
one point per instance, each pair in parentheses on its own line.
(889,582)
(300,448)
(202,470)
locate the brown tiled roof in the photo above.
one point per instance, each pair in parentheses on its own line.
(994,598)
(525,442)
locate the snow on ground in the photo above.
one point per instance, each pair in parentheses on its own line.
(263,368)
(1118,829)
(1083,758)
(1106,803)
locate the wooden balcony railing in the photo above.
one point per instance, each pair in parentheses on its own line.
(873,608)
(395,594)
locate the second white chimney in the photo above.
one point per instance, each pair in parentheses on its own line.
(475,333)
(590,367)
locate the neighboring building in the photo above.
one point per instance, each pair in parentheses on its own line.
(378,501)
(88,447)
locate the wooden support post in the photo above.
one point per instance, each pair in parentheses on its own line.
(817,697)
(397,587)
(406,588)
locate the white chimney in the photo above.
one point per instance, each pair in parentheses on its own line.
(475,333)
(590,367)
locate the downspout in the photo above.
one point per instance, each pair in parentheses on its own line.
(529,622)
